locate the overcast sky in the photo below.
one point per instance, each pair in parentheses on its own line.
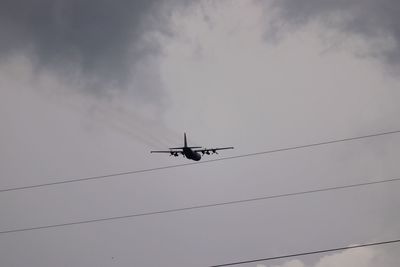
(90,87)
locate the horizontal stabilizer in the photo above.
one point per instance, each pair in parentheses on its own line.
(185,147)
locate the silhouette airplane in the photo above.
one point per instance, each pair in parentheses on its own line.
(191,152)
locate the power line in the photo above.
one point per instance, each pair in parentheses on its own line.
(198,162)
(200,206)
(309,253)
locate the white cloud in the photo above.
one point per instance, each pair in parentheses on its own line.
(292,263)
(360,257)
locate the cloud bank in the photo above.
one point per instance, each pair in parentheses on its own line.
(361,257)
(370,19)
(98,44)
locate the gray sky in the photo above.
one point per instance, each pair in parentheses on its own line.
(90,87)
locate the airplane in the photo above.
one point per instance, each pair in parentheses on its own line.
(191,152)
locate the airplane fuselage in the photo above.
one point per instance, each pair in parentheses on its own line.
(190,154)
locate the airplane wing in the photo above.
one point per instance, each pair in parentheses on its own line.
(171,152)
(166,151)
(209,151)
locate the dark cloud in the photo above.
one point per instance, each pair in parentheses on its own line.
(368,18)
(101,40)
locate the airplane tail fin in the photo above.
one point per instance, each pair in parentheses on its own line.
(185,141)
(185,144)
